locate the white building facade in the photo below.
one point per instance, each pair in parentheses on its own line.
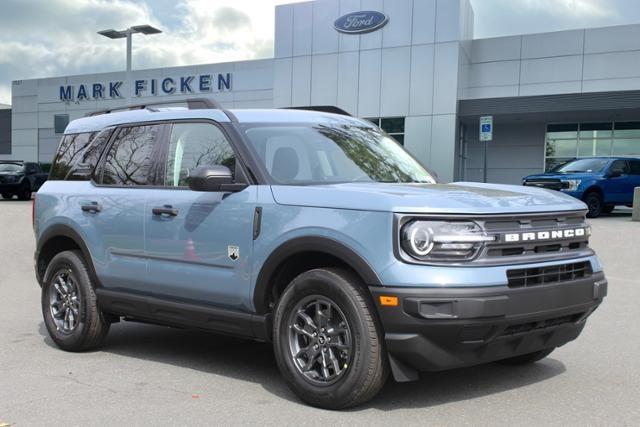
(411,66)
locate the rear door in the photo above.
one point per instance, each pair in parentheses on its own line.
(634,175)
(199,244)
(114,210)
(617,188)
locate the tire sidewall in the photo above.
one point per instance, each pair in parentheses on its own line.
(591,198)
(326,284)
(66,261)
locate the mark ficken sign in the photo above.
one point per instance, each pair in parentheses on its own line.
(202,83)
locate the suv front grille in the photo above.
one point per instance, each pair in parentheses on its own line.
(545,275)
(549,183)
(524,251)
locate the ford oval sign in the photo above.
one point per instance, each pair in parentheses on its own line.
(360,22)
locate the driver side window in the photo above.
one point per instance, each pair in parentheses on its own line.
(192,145)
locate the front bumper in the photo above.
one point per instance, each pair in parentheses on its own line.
(10,187)
(434,329)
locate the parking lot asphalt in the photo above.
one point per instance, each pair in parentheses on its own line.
(152,375)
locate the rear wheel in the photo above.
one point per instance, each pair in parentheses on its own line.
(527,359)
(594,203)
(69,305)
(7,196)
(327,340)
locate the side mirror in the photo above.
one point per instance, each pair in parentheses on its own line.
(213,178)
(614,173)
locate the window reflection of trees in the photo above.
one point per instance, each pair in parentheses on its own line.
(370,151)
(69,152)
(129,158)
(202,144)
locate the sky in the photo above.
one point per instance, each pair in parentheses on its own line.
(47,38)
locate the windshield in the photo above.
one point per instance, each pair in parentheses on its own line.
(331,153)
(10,167)
(582,165)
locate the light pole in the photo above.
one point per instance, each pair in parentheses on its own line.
(128,33)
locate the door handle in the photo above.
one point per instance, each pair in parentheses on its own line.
(166,210)
(91,207)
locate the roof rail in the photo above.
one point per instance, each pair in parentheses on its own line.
(192,104)
(322,108)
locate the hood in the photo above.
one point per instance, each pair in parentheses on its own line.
(563,176)
(454,198)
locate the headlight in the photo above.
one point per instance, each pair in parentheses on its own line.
(443,240)
(11,178)
(572,184)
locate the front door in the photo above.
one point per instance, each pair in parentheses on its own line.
(199,244)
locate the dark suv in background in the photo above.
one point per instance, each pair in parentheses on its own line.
(18,178)
(601,182)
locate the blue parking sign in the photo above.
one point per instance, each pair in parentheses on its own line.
(486,128)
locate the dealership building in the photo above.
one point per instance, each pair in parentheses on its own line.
(411,66)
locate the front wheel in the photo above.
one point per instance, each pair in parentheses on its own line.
(527,359)
(25,193)
(69,305)
(7,196)
(595,205)
(327,340)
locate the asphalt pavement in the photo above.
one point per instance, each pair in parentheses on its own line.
(152,375)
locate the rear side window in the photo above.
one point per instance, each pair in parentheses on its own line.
(69,153)
(619,166)
(635,167)
(129,159)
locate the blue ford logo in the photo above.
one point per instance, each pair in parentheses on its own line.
(360,22)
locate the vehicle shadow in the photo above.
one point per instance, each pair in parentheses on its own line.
(255,362)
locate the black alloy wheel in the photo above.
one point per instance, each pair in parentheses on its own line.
(594,204)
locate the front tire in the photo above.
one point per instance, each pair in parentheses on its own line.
(327,340)
(594,203)
(25,193)
(527,359)
(7,196)
(69,304)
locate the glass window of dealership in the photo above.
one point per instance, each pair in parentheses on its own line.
(567,141)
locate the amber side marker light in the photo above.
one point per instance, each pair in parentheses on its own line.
(388,301)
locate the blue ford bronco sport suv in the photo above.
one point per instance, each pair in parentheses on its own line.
(601,182)
(311,230)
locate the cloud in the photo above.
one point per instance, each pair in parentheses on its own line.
(507,17)
(47,38)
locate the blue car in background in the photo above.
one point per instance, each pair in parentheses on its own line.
(601,182)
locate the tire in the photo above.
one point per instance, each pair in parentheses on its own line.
(527,359)
(7,196)
(75,301)
(358,349)
(608,209)
(25,193)
(594,203)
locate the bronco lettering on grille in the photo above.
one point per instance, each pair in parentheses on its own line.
(545,235)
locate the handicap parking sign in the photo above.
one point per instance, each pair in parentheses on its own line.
(486,128)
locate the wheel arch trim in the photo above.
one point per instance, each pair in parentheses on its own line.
(62,230)
(299,245)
